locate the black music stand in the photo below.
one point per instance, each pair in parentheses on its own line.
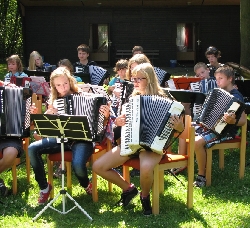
(187,96)
(74,127)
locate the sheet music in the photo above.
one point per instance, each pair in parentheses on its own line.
(171,84)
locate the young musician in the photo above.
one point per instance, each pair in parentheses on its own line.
(83,51)
(137,50)
(14,67)
(10,148)
(145,83)
(206,85)
(213,54)
(62,84)
(206,138)
(36,62)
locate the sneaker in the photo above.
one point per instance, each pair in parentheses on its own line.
(146,205)
(89,189)
(3,188)
(200,181)
(135,173)
(126,197)
(176,171)
(43,198)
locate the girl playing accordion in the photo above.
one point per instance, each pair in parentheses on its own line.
(145,83)
(62,84)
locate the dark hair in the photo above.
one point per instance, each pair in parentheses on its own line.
(228,71)
(84,48)
(121,64)
(137,49)
(66,63)
(213,51)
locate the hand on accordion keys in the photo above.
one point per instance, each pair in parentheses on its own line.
(176,123)
(105,110)
(230,117)
(120,120)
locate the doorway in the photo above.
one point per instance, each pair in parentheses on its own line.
(186,41)
(99,43)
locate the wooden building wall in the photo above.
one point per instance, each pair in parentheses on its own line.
(55,32)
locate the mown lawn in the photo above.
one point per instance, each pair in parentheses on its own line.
(224,204)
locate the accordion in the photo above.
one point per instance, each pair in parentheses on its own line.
(97,75)
(216,104)
(126,91)
(147,124)
(85,105)
(15,111)
(162,75)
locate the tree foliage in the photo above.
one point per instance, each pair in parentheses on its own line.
(11,40)
(245,32)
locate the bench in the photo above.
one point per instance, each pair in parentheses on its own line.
(127,54)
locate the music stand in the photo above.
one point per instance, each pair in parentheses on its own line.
(74,127)
(187,96)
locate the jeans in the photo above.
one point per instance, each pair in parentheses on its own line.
(81,151)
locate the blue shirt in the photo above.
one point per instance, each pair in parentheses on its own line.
(17,74)
(116,80)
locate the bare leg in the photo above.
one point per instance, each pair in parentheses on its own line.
(9,156)
(103,167)
(148,161)
(201,156)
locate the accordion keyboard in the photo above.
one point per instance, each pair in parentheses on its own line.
(147,123)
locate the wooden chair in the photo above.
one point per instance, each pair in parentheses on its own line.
(238,142)
(99,151)
(170,161)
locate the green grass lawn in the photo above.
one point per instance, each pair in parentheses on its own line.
(224,204)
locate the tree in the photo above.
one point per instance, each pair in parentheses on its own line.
(11,40)
(245,32)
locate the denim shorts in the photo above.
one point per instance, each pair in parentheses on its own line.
(209,136)
(16,143)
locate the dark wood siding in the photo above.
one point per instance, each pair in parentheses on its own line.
(55,32)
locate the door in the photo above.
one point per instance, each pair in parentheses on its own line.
(186,41)
(100,43)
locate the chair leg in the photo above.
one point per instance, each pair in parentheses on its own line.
(26,145)
(126,175)
(209,167)
(94,187)
(69,177)
(161,181)
(242,160)
(155,191)
(221,159)
(14,176)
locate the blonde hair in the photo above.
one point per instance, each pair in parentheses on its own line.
(147,70)
(200,65)
(17,60)
(138,58)
(61,71)
(32,61)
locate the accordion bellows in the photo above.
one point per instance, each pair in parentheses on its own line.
(14,111)
(147,123)
(85,105)
(216,104)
